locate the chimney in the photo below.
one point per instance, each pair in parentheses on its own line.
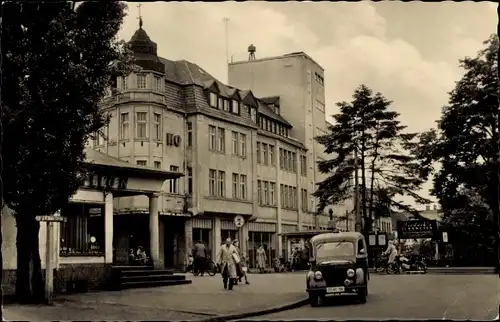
(427,208)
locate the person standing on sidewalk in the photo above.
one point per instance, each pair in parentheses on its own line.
(227,262)
(261,259)
(199,256)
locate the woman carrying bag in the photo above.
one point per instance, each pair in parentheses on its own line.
(241,266)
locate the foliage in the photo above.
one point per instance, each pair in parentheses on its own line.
(57,64)
(464,145)
(367,127)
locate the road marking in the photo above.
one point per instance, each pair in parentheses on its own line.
(456,301)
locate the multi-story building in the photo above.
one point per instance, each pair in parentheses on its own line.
(299,82)
(241,154)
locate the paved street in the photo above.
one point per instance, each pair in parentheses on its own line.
(204,298)
(474,297)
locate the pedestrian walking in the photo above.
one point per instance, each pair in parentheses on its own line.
(261,259)
(227,259)
(242,266)
(199,257)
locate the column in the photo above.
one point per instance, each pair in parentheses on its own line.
(188,238)
(216,238)
(154,230)
(108,228)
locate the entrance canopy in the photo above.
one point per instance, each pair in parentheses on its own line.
(122,178)
(304,233)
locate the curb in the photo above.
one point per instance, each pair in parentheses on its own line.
(438,271)
(237,316)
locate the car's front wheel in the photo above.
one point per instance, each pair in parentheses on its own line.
(313,299)
(362,294)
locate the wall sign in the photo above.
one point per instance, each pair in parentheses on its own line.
(173,140)
(106,182)
(417,229)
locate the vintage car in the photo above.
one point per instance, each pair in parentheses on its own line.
(338,266)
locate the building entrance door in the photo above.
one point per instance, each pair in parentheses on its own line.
(174,252)
(129,232)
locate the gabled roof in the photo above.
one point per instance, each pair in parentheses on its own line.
(264,109)
(271,100)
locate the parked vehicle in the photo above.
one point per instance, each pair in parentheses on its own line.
(339,266)
(413,263)
(380,263)
(210,268)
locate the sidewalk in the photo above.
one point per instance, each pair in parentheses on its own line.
(204,298)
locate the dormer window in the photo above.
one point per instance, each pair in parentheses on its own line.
(235,107)
(253,114)
(225,105)
(221,103)
(213,99)
(141,81)
(277,110)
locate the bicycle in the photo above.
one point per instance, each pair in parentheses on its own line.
(210,268)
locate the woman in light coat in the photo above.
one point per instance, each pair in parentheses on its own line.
(261,259)
(226,260)
(242,266)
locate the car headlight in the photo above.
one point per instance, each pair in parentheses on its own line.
(318,275)
(350,272)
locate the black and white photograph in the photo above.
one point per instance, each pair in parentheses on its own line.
(250,160)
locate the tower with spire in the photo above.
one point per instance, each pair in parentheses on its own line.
(145,50)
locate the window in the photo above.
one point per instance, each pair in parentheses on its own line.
(222,140)
(285,194)
(311,203)
(157,125)
(261,122)
(236,184)
(235,142)
(141,125)
(235,107)
(272,155)
(259,194)
(124,126)
(332,250)
(266,125)
(190,133)
(84,221)
(265,157)
(273,127)
(157,164)
(253,114)
(141,81)
(124,82)
(143,163)
(212,137)
(303,200)
(277,110)
(157,83)
(294,198)
(243,186)
(258,152)
(282,195)
(225,105)
(190,180)
(222,184)
(213,99)
(265,192)
(282,159)
(174,182)
(294,162)
(290,197)
(286,161)
(303,165)
(243,145)
(212,186)
(319,78)
(320,106)
(272,197)
(99,138)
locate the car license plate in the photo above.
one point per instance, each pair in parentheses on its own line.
(339,289)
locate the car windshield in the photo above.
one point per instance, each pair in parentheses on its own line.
(332,250)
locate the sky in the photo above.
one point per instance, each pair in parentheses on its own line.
(407,51)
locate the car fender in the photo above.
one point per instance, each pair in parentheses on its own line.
(360,276)
(309,277)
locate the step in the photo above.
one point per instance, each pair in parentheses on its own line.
(132,268)
(153,284)
(147,272)
(145,278)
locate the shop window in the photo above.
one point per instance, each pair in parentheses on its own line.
(226,233)
(255,240)
(202,234)
(83,232)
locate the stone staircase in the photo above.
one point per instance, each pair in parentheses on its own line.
(124,277)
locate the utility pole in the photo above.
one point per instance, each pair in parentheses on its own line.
(356,192)
(226,21)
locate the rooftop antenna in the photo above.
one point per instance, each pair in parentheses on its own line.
(251,52)
(140,17)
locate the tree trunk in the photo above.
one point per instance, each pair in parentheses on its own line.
(29,285)
(363,183)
